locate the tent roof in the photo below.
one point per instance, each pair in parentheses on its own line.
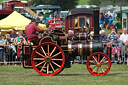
(50,7)
(14,20)
(123,11)
(111,9)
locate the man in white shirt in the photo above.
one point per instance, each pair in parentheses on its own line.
(124,37)
(124,40)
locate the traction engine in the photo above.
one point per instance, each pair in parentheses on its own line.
(56,49)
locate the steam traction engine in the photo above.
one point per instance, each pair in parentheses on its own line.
(55,49)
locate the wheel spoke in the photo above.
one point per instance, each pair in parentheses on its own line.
(94,69)
(42,67)
(56,54)
(56,64)
(92,62)
(38,59)
(102,59)
(102,69)
(98,57)
(47,68)
(57,59)
(105,62)
(40,63)
(48,49)
(52,67)
(98,70)
(92,66)
(40,54)
(53,51)
(95,59)
(105,66)
(43,51)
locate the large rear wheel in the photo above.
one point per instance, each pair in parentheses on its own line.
(48,59)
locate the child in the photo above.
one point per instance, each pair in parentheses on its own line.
(108,48)
(115,50)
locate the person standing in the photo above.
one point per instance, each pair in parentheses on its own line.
(13,35)
(30,31)
(2,42)
(102,19)
(124,37)
(113,35)
(124,40)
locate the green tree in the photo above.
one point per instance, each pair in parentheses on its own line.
(64,4)
(115,2)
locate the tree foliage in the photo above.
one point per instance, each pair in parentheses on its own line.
(114,2)
(64,4)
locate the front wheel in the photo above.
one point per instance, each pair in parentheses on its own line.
(98,64)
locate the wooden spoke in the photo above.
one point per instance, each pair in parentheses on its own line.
(105,62)
(105,66)
(47,68)
(52,67)
(42,67)
(95,59)
(57,59)
(53,51)
(92,66)
(102,59)
(40,63)
(48,49)
(38,58)
(56,64)
(98,70)
(94,69)
(40,54)
(92,62)
(102,69)
(98,57)
(43,51)
(56,54)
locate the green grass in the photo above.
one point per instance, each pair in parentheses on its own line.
(83,2)
(76,75)
(107,31)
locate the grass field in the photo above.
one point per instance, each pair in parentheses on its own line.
(83,2)
(76,75)
(107,31)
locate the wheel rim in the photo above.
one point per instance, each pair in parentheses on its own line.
(48,59)
(98,64)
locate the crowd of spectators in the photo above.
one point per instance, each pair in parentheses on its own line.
(113,43)
(107,20)
(9,43)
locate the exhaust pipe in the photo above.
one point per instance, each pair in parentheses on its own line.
(96,23)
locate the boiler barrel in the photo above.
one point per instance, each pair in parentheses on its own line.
(81,36)
(86,49)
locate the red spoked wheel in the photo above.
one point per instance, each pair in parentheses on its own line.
(98,64)
(48,59)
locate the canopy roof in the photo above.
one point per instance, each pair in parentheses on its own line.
(123,11)
(17,21)
(111,9)
(45,7)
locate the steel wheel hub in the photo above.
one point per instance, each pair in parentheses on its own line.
(48,59)
(98,64)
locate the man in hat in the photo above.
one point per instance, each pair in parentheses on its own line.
(30,31)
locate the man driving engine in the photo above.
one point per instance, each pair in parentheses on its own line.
(30,31)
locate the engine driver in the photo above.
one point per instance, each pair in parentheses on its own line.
(30,31)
